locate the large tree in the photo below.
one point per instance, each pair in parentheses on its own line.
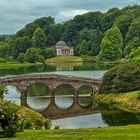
(39,39)
(93,37)
(20,45)
(111,45)
(132,40)
(82,48)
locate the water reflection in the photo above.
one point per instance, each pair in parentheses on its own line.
(68,111)
(54,68)
(84,96)
(13,94)
(64,93)
(38,96)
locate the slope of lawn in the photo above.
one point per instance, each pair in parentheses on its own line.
(129,101)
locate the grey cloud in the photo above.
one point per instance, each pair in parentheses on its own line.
(14,14)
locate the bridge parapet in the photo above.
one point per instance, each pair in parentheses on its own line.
(22,82)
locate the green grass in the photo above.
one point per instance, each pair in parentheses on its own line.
(126,101)
(109,133)
(65,59)
(10,65)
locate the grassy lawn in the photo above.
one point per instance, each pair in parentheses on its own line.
(9,65)
(109,133)
(65,59)
(126,101)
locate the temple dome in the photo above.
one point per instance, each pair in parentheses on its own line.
(61,43)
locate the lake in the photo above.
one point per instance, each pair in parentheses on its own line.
(68,111)
(64,109)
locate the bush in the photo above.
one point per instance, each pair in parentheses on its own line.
(20,58)
(122,78)
(33,119)
(41,59)
(14,119)
(9,119)
(3,91)
(2,60)
(56,127)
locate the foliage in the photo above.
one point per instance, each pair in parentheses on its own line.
(2,59)
(9,119)
(82,48)
(39,39)
(56,127)
(3,91)
(84,33)
(20,58)
(49,53)
(122,78)
(111,45)
(32,55)
(93,40)
(20,45)
(14,118)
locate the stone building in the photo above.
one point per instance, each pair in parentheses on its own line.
(62,49)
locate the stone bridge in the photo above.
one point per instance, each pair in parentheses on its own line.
(22,82)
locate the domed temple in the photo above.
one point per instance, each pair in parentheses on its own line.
(62,49)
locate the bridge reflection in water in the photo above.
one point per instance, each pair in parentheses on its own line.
(61,104)
(67,109)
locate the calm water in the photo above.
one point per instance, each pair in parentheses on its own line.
(68,111)
(91,70)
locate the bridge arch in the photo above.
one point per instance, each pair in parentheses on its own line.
(38,96)
(64,93)
(13,93)
(85,89)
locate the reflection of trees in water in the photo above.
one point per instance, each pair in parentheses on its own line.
(85,102)
(84,90)
(116,117)
(64,89)
(38,89)
(120,118)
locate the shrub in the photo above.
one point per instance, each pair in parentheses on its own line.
(33,119)
(122,78)
(2,60)
(2,91)
(41,59)
(56,127)
(9,119)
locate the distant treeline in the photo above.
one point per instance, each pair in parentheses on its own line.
(110,36)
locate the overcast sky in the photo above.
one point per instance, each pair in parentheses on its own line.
(14,14)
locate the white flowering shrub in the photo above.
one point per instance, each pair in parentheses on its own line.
(9,120)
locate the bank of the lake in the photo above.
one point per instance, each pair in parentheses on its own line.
(108,133)
(12,65)
(129,102)
(64,59)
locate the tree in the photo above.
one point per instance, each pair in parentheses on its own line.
(20,58)
(93,37)
(32,54)
(122,78)
(20,45)
(133,36)
(111,45)
(82,48)
(39,39)
(49,53)
(132,44)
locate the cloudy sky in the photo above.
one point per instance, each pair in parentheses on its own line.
(14,14)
